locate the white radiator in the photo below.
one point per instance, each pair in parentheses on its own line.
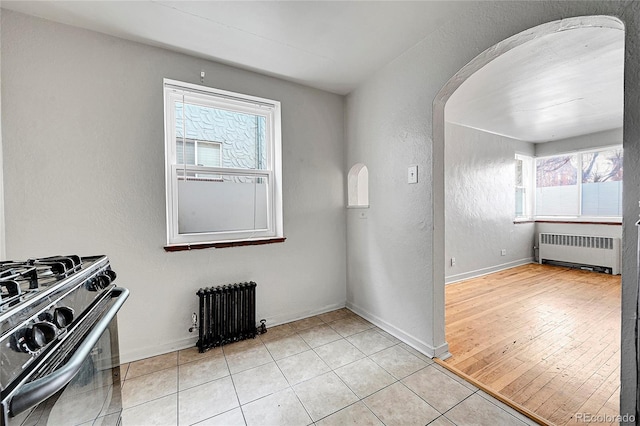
(584,250)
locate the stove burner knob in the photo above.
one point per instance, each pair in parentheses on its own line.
(106,278)
(102,281)
(111,274)
(92,284)
(62,317)
(98,282)
(38,335)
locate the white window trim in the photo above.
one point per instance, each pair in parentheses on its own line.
(580,217)
(267,108)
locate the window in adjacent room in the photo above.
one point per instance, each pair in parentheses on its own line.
(523,185)
(557,186)
(223,165)
(602,183)
(587,183)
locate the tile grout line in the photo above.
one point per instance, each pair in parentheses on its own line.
(534,417)
(508,412)
(234,384)
(424,400)
(331,370)
(291,386)
(297,333)
(368,357)
(178,388)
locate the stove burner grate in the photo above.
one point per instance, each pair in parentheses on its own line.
(20,277)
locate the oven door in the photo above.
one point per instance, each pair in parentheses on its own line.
(86,389)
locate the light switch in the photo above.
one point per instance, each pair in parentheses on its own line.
(413,174)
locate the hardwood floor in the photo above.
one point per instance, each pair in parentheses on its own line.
(545,337)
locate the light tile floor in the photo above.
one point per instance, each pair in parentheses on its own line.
(331,369)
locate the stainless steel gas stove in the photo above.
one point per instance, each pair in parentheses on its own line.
(59,341)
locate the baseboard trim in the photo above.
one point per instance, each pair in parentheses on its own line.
(189,342)
(519,408)
(486,271)
(441,351)
(149,351)
(273,321)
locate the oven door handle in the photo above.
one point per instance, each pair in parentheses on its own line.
(39,390)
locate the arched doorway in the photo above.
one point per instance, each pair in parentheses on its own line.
(445,94)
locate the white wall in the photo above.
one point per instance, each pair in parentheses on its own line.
(593,140)
(84,173)
(395,273)
(480,204)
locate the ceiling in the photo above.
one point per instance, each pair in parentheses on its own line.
(330,45)
(553,87)
(557,86)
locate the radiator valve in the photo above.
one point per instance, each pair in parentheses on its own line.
(263,327)
(194,323)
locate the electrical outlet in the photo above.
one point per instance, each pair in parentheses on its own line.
(503,252)
(453,261)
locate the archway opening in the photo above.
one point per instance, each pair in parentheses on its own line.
(481,110)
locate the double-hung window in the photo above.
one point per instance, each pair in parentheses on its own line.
(223,165)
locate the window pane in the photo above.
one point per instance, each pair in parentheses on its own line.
(520,202)
(216,203)
(602,166)
(519,172)
(242,136)
(557,191)
(602,183)
(208,154)
(185,150)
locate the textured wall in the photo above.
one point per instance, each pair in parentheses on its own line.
(84,169)
(396,256)
(480,203)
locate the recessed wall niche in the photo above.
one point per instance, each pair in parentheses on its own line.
(358,186)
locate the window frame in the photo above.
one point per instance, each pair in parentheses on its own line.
(580,217)
(272,173)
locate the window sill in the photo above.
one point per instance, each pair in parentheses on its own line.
(581,221)
(519,221)
(225,244)
(570,220)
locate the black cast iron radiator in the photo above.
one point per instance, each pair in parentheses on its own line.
(227,314)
